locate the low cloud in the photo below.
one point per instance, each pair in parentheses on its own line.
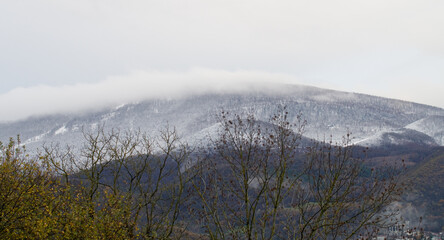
(21,103)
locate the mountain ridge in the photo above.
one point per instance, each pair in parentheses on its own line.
(329,114)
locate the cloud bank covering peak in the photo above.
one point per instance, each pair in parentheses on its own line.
(21,103)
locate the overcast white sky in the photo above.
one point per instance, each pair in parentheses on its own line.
(56,55)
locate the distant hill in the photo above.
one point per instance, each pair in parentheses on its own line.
(402,136)
(432,126)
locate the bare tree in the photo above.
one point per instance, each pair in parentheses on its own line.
(258,183)
(242,185)
(342,197)
(131,184)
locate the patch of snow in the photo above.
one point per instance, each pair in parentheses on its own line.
(61,130)
(108,116)
(35,138)
(75,127)
(205,135)
(334,96)
(371,141)
(396,137)
(254,183)
(432,126)
(120,106)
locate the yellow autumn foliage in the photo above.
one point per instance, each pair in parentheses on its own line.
(35,204)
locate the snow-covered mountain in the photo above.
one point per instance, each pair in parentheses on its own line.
(402,136)
(433,126)
(328,113)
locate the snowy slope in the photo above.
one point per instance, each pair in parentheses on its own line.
(401,136)
(328,113)
(433,126)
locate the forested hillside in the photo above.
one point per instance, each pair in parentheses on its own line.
(256,181)
(427,189)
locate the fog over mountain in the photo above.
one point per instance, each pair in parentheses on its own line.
(329,114)
(21,103)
